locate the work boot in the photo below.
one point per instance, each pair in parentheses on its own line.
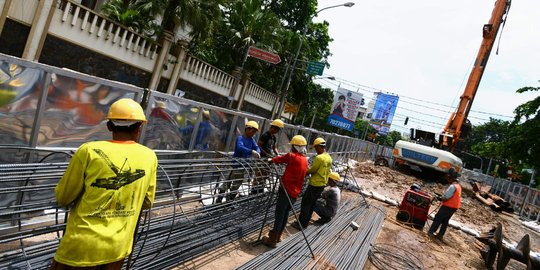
(231,196)
(278,236)
(322,221)
(271,240)
(219,198)
(296,225)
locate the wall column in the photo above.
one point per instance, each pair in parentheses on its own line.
(180,58)
(158,65)
(236,73)
(4,9)
(39,30)
(245,86)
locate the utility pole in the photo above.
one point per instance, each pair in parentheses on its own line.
(293,65)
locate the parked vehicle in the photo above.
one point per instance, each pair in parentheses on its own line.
(412,154)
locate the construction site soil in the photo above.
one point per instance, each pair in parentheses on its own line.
(459,250)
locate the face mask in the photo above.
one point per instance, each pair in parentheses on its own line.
(301,149)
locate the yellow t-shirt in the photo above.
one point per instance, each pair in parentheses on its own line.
(320,169)
(108,182)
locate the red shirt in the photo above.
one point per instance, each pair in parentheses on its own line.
(295,172)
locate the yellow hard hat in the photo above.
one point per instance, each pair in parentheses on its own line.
(126,109)
(252,124)
(161,104)
(298,140)
(206,113)
(319,141)
(334,176)
(278,123)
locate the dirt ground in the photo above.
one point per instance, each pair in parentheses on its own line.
(458,251)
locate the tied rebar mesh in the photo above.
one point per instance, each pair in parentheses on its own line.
(186,221)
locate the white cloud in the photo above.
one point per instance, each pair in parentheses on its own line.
(424,49)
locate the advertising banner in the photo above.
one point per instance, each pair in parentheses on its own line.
(345,109)
(383,112)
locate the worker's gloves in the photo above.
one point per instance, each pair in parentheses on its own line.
(255,154)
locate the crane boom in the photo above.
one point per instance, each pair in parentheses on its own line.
(454,127)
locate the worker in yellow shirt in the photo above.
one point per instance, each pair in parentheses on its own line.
(106,185)
(319,170)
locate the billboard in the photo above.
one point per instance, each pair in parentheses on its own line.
(383,112)
(345,109)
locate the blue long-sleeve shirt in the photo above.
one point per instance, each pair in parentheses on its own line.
(244,146)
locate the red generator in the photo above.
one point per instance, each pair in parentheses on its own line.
(414,207)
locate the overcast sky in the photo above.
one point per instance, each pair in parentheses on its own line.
(423,51)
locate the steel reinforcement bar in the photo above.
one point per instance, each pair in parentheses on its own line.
(337,245)
(193,212)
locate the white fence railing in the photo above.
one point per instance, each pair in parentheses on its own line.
(77,24)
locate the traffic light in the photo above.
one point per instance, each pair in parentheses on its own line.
(406,120)
(362,102)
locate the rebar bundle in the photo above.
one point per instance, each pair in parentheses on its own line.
(202,202)
(336,245)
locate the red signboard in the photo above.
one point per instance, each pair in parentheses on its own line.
(264,55)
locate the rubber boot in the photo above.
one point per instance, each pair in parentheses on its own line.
(271,240)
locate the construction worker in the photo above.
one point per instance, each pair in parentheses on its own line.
(291,186)
(267,144)
(451,200)
(319,170)
(106,184)
(245,147)
(331,195)
(267,141)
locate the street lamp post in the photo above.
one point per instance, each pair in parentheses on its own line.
(293,66)
(311,110)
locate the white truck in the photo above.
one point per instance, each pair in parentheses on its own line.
(412,154)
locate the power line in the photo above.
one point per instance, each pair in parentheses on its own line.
(373,90)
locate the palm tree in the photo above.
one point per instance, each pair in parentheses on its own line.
(249,23)
(152,17)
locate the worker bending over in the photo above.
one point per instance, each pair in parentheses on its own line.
(319,170)
(451,200)
(106,184)
(245,147)
(291,186)
(331,195)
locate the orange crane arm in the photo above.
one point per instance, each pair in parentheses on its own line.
(455,124)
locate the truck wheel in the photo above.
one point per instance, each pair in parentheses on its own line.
(381,162)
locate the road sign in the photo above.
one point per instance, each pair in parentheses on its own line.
(315,68)
(264,55)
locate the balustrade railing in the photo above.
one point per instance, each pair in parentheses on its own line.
(103,28)
(208,72)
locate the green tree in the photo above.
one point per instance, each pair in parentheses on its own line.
(523,141)
(126,13)
(250,23)
(488,139)
(317,104)
(393,136)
